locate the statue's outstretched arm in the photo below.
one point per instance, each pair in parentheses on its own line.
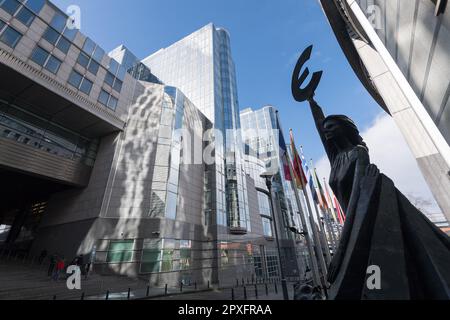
(319,117)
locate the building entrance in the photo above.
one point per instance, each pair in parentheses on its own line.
(23,203)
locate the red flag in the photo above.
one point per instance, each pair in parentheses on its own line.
(341,215)
(300,177)
(322,198)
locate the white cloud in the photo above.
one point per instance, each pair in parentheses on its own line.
(389,151)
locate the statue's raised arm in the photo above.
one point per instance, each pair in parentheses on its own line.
(319,119)
(307,94)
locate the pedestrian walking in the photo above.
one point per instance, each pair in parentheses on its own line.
(91,260)
(60,266)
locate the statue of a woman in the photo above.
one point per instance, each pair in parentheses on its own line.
(388,249)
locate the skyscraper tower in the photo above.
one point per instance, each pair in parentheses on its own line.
(202,67)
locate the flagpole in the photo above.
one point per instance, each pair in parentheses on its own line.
(333,213)
(319,244)
(328,214)
(323,236)
(315,269)
(319,220)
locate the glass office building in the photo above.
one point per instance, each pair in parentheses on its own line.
(261,135)
(201,66)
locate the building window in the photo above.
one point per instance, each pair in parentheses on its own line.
(109,79)
(2,24)
(108,100)
(51,36)
(86,86)
(272,265)
(112,104)
(120,251)
(264,205)
(185,254)
(117,85)
(46,60)
(81,83)
(151,256)
(93,67)
(53,64)
(267,227)
(25,16)
(103,97)
(10,37)
(10,6)
(56,39)
(91,56)
(259,270)
(35,5)
(75,79)
(83,60)
(166,255)
(115,75)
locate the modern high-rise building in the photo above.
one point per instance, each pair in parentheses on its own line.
(99,153)
(262,133)
(399,49)
(202,67)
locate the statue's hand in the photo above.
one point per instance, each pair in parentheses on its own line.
(370,177)
(298,78)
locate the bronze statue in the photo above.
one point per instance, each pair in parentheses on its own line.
(383,229)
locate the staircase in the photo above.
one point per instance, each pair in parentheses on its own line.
(22,280)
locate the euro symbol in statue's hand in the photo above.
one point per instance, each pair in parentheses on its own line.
(308,92)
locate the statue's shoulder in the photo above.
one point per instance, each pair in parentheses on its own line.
(360,152)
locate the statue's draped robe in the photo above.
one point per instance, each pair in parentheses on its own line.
(385,230)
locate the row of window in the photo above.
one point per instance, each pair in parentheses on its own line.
(91,57)
(60,35)
(43,58)
(23,10)
(47,60)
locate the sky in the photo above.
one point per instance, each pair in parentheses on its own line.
(267,37)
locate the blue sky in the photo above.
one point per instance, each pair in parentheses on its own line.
(267,37)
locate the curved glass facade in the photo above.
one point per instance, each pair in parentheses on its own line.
(201,66)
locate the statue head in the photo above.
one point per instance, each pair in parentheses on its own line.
(342,132)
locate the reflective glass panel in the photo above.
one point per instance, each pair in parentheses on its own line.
(75,79)
(51,35)
(83,59)
(59,21)
(89,46)
(35,5)
(86,86)
(103,97)
(63,45)
(53,64)
(10,6)
(11,37)
(39,56)
(25,16)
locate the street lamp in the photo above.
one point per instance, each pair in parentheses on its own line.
(269,177)
(295,230)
